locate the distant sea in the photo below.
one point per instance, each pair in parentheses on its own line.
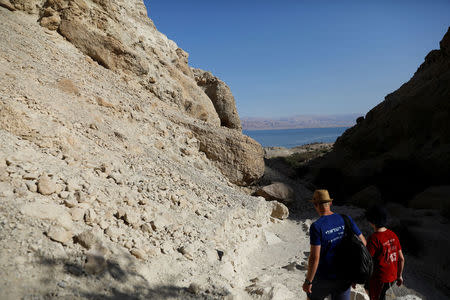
(289,138)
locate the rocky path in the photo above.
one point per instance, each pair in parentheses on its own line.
(277,268)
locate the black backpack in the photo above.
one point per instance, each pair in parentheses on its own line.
(352,260)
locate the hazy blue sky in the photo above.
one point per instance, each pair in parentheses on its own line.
(290,57)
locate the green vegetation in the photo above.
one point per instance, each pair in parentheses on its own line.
(299,159)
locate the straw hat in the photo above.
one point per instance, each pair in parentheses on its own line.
(321,196)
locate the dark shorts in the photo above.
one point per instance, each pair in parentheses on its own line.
(338,289)
(377,289)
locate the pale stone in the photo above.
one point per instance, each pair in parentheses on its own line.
(159,223)
(194,288)
(87,239)
(146,228)
(49,212)
(30,176)
(279,210)
(6,190)
(77,213)
(6,4)
(90,216)
(51,22)
(64,194)
(167,248)
(31,185)
(59,234)
(187,251)
(139,253)
(70,201)
(45,185)
(132,218)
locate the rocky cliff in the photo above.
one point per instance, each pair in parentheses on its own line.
(402,146)
(116,178)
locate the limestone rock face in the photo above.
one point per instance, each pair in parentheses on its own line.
(221,96)
(107,169)
(119,36)
(402,145)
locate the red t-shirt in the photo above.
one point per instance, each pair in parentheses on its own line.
(384,247)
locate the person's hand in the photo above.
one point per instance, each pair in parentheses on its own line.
(400,281)
(307,287)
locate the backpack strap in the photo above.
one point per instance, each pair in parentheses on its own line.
(347,229)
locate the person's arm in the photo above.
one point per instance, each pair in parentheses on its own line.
(363,239)
(313,263)
(401,265)
(356,230)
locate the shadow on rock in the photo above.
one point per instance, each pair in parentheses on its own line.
(117,281)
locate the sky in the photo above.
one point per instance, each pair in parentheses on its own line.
(295,57)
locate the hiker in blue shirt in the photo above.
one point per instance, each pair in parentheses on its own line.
(325,234)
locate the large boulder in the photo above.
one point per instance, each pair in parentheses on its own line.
(238,157)
(367,197)
(436,197)
(402,144)
(221,96)
(276,191)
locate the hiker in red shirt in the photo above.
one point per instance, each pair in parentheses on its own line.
(384,246)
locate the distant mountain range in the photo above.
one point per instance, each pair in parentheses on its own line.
(299,121)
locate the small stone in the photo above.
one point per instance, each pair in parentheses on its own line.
(21,191)
(31,185)
(128,244)
(147,228)
(30,176)
(51,23)
(87,239)
(6,4)
(139,253)
(279,210)
(62,284)
(95,262)
(167,248)
(132,218)
(46,186)
(187,251)
(72,185)
(59,234)
(6,190)
(64,194)
(113,233)
(103,224)
(70,201)
(90,216)
(194,288)
(77,213)
(159,223)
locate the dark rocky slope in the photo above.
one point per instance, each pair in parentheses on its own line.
(402,146)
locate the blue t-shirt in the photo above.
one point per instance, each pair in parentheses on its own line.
(327,232)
